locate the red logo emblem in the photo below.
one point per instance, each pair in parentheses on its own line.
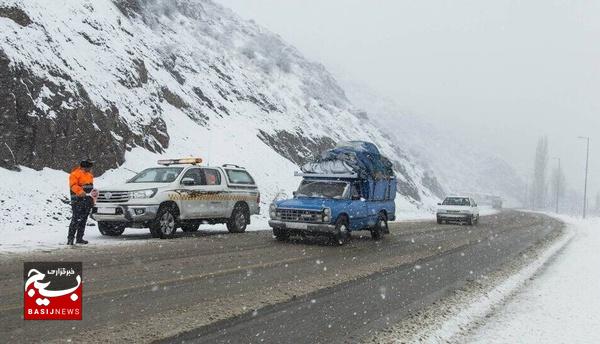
(53,291)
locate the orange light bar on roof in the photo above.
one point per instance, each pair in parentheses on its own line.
(184,161)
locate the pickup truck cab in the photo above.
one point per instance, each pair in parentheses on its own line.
(334,206)
(178,194)
(458,209)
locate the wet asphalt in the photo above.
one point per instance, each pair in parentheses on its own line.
(209,287)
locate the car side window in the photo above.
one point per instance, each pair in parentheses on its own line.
(195,174)
(212,177)
(355,191)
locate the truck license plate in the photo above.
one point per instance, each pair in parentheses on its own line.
(111,211)
(294,225)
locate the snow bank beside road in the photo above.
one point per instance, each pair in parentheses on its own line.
(562,304)
(453,318)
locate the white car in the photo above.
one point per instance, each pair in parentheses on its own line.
(458,208)
(179,193)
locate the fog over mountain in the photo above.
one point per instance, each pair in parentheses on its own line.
(499,73)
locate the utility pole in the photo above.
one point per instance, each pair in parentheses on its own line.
(558,175)
(587,163)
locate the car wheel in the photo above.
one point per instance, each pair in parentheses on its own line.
(190,227)
(238,221)
(380,227)
(342,231)
(109,229)
(439,221)
(164,224)
(281,234)
(470,220)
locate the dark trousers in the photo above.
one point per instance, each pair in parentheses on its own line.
(81,209)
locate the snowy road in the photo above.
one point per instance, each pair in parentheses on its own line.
(215,287)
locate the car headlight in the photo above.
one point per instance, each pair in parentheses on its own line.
(327,211)
(139,194)
(440,211)
(273,211)
(326,218)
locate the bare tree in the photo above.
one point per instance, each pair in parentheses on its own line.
(558,185)
(540,167)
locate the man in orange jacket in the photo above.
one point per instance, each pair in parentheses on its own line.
(81,183)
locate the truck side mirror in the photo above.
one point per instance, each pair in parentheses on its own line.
(439,203)
(294,194)
(188,181)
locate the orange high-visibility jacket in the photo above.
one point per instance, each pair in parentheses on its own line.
(78,179)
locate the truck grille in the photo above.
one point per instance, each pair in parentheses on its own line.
(113,197)
(299,215)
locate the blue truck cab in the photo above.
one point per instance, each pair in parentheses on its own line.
(335,204)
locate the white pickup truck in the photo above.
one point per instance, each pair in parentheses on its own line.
(179,193)
(458,209)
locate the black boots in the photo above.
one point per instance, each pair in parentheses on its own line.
(79,241)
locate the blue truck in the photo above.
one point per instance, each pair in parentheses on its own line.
(349,188)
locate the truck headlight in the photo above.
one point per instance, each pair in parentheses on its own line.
(273,211)
(139,194)
(326,215)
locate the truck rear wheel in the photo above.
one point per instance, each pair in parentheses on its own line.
(164,224)
(238,221)
(380,227)
(110,229)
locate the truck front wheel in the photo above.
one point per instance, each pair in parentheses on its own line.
(342,231)
(110,229)
(470,220)
(281,234)
(164,224)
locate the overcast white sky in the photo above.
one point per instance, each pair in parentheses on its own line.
(504,71)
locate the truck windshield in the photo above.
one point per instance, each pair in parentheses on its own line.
(322,189)
(457,201)
(157,175)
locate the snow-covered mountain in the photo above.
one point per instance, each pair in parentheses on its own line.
(126,82)
(461,164)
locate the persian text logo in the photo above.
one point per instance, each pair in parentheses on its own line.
(53,290)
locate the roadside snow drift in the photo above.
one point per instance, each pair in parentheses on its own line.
(561,304)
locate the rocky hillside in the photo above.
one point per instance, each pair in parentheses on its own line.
(125,82)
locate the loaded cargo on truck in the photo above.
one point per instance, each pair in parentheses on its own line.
(349,188)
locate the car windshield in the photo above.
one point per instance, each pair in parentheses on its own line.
(322,189)
(457,201)
(157,175)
